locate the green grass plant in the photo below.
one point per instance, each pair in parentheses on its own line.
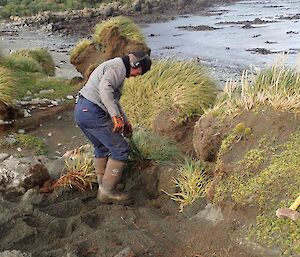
(31,142)
(42,56)
(22,63)
(170,84)
(147,145)
(126,27)
(277,86)
(80,173)
(191,183)
(7,86)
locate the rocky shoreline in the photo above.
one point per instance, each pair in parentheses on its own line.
(81,22)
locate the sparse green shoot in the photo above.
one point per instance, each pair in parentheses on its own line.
(191,183)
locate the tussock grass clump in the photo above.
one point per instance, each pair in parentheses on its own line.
(42,56)
(6,86)
(22,63)
(126,27)
(181,85)
(80,173)
(79,48)
(191,183)
(277,86)
(146,145)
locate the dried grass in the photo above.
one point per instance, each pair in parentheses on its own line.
(80,172)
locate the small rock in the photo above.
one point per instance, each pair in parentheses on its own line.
(19,149)
(49,134)
(47,91)
(3,156)
(11,140)
(59,117)
(26,114)
(55,103)
(70,97)
(210,213)
(21,131)
(56,168)
(13,253)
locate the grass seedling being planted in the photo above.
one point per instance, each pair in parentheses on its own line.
(80,173)
(191,183)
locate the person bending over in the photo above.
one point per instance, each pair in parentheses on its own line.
(99,115)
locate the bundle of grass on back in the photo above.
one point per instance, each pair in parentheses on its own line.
(6,86)
(277,86)
(170,84)
(41,56)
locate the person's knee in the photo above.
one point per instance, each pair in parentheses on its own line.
(121,153)
(100,152)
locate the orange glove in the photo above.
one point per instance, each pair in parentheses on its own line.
(127,130)
(118,123)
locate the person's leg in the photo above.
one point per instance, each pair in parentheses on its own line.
(98,126)
(119,152)
(84,116)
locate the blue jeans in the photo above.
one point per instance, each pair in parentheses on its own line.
(97,125)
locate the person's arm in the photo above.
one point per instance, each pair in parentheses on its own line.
(107,86)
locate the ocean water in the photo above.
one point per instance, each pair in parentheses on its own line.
(228,45)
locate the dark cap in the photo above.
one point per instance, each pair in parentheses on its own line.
(142,60)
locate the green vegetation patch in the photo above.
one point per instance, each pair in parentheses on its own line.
(61,87)
(272,187)
(126,27)
(29,7)
(28,70)
(42,56)
(181,85)
(146,145)
(6,86)
(31,143)
(22,63)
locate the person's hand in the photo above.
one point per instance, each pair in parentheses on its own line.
(118,123)
(127,130)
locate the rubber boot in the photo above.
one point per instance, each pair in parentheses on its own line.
(100,165)
(112,176)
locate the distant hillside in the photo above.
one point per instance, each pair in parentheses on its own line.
(29,7)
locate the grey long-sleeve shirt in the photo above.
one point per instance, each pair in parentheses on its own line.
(105,84)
